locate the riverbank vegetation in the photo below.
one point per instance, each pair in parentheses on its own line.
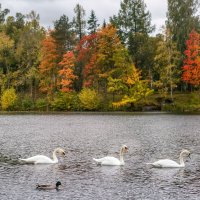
(81,65)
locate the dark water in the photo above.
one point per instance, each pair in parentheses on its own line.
(149,137)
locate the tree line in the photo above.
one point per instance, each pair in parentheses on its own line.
(80,64)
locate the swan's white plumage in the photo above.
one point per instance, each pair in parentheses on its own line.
(41,159)
(109,160)
(167,163)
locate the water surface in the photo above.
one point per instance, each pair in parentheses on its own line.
(149,137)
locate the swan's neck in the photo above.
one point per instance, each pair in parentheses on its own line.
(181,160)
(121,156)
(55,159)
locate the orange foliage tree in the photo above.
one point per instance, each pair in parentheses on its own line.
(48,67)
(191,68)
(86,54)
(103,56)
(112,57)
(109,48)
(67,72)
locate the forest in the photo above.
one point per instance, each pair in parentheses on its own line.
(82,65)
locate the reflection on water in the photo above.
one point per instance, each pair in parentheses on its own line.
(149,138)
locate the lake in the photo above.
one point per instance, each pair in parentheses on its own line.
(85,136)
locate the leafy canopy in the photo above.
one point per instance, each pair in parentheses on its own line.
(191,68)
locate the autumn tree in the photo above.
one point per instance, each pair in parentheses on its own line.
(6,58)
(86,54)
(110,57)
(166,61)
(191,68)
(66,72)
(27,54)
(181,19)
(8,99)
(48,67)
(131,87)
(89,99)
(103,56)
(133,23)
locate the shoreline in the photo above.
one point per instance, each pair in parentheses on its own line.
(95,113)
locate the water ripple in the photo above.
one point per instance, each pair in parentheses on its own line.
(149,137)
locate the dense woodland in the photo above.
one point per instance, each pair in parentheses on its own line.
(118,65)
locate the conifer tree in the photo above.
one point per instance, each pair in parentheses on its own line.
(63,35)
(79,26)
(133,23)
(79,21)
(132,18)
(92,23)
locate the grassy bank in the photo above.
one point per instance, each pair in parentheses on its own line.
(181,102)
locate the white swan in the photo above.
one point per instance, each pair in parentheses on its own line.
(40,159)
(170,163)
(108,160)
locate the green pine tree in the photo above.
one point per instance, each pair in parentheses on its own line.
(92,23)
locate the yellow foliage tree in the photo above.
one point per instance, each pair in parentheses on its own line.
(89,99)
(132,87)
(6,58)
(8,99)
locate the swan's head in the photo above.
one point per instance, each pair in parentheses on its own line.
(60,151)
(185,152)
(124,148)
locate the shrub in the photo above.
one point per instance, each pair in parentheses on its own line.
(89,99)
(41,104)
(194,99)
(75,102)
(27,104)
(61,102)
(8,99)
